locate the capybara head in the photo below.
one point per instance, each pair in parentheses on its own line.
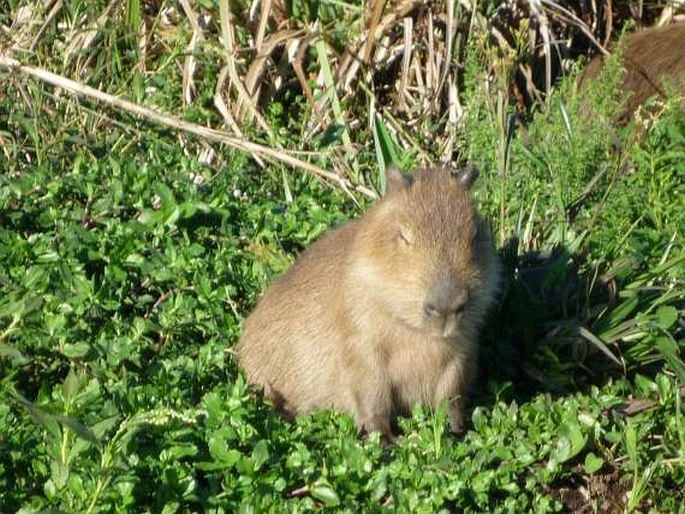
(430,262)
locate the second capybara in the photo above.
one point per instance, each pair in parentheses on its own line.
(650,57)
(383,312)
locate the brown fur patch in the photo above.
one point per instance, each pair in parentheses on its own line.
(382,312)
(650,57)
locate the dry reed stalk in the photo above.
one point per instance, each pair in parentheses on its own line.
(263,21)
(56,8)
(221,106)
(245,103)
(406,61)
(257,68)
(190,62)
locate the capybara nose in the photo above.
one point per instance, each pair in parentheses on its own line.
(431,310)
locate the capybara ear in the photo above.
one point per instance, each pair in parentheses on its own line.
(396,180)
(467,175)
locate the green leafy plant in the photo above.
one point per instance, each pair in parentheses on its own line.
(130,254)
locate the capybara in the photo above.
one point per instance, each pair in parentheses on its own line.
(382,312)
(650,57)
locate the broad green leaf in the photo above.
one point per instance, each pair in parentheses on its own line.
(11,308)
(667,315)
(219,450)
(166,195)
(325,493)
(630,436)
(570,443)
(100,428)
(13,353)
(179,452)
(593,463)
(260,454)
(40,417)
(669,349)
(59,472)
(378,488)
(70,386)
(171,507)
(78,428)
(21,307)
(75,350)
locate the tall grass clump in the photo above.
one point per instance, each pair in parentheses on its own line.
(581,208)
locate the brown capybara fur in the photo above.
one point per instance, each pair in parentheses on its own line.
(384,311)
(650,57)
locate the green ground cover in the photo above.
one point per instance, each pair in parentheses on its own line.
(128,260)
